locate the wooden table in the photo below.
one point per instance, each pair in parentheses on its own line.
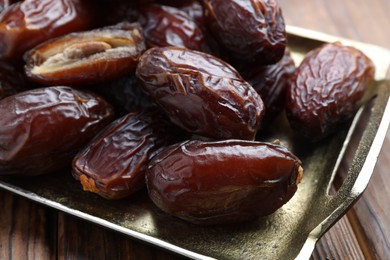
(32,231)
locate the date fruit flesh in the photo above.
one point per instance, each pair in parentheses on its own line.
(86,57)
(201,93)
(252,30)
(42,129)
(328,87)
(113,165)
(222,182)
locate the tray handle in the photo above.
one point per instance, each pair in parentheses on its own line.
(360,171)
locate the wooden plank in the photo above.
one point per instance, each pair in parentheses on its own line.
(371,213)
(79,239)
(362,20)
(27,230)
(339,243)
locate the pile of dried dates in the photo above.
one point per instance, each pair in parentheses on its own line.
(169,95)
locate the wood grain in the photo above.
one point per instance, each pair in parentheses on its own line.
(81,239)
(361,20)
(340,243)
(371,213)
(27,230)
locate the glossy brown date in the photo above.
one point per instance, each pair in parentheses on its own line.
(328,88)
(42,129)
(170,26)
(253,31)
(25,24)
(86,57)
(271,82)
(222,182)
(113,165)
(200,93)
(193,8)
(195,11)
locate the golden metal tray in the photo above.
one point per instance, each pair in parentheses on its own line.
(289,233)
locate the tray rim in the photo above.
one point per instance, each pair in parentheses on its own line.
(357,189)
(88,217)
(309,245)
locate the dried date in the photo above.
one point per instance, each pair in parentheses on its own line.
(42,129)
(201,93)
(25,24)
(328,88)
(86,57)
(222,182)
(125,94)
(271,82)
(253,31)
(170,26)
(119,10)
(113,165)
(193,8)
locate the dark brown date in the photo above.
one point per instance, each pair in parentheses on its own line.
(12,80)
(271,82)
(193,8)
(195,11)
(42,129)
(201,93)
(222,182)
(328,88)
(25,24)
(170,26)
(253,31)
(125,94)
(120,10)
(113,165)
(86,57)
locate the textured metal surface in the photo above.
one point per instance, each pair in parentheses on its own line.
(289,233)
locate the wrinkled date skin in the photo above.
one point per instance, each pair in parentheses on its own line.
(271,82)
(329,86)
(253,31)
(42,129)
(113,165)
(222,182)
(195,11)
(86,57)
(25,24)
(200,93)
(170,26)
